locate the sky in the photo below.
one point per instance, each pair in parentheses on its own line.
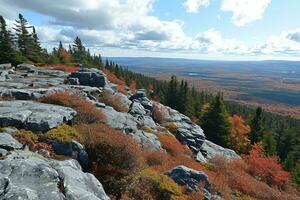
(198,29)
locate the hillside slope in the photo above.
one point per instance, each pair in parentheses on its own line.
(48,159)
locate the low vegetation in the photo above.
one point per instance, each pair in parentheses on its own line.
(63,133)
(113,101)
(86,111)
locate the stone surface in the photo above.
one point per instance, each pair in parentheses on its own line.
(191,179)
(210,150)
(72,149)
(8,142)
(29,176)
(33,115)
(90,77)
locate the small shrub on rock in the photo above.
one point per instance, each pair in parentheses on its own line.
(171,126)
(157,185)
(114,155)
(63,133)
(86,112)
(25,137)
(159,112)
(173,146)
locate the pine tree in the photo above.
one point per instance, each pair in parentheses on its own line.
(257,128)
(269,144)
(296,174)
(215,122)
(172,93)
(23,36)
(78,50)
(7,51)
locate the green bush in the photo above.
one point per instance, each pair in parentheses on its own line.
(63,133)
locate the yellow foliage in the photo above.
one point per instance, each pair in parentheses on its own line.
(25,136)
(63,133)
(161,183)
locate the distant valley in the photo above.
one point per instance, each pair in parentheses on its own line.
(275,85)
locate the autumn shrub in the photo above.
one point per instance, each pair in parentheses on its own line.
(265,167)
(7,98)
(121,89)
(62,67)
(114,155)
(238,139)
(113,101)
(157,185)
(86,111)
(25,137)
(173,146)
(63,133)
(155,158)
(113,78)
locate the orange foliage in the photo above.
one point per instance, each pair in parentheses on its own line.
(173,146)
(62,67)
(121,89)
(64,55)
(113,78)
(267,168)
(227,177)
(133,86)
(86,111)
(239,134)
(113,155)
(113,101)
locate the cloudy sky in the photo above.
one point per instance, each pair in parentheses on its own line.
(202,29)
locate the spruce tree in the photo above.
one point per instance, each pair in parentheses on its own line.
(24,39)
(172,93)
(215,122)
(257,128)
(7,51)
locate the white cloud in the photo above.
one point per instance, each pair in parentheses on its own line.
(245,11)
(193,6)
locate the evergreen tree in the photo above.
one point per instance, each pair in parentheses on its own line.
(296,174)
(215,122)
(172,93)
(257,128)
(7,51)
(23,36)
(269,144)
(78,50)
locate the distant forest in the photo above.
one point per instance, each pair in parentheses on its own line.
(226,123)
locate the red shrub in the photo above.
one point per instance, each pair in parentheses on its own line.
(173,146)
(133,86)
(266,168)
(86,111)
(62,67)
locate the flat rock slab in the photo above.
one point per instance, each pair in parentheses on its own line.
(33,116)
(8,142)
(29,176)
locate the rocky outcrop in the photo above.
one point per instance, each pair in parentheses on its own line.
(191,179)
(29,176)
(33,115)
(88,77)
(210,150)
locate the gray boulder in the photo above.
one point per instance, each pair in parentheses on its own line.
(29,176)
(147,141)
(33,115)
(138,95)
(5,66)
(210,150)
(7,142)
(72,149)
(78,185)
(25,67)
(90,77)
(190,178)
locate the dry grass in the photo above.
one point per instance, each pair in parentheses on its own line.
(87,113)
(113,101)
